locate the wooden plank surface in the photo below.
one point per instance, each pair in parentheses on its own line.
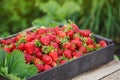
(100,72)
(114,76)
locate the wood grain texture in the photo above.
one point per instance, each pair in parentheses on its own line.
(100,72)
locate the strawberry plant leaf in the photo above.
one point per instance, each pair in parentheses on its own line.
(17,65)
(13,66)
(2,58)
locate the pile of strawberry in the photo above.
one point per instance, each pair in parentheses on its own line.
(49,47)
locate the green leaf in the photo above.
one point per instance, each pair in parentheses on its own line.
(4,70)
(2,58)
(16,65)
(14,77)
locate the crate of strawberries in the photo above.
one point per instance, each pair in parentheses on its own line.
(58,53)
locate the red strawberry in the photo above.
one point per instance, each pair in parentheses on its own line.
(45,40)
(37,61)
(21,46)
(7,49)
(13,46)
(63,61)
(29,47)
(72,47)
(67,45)
(77,38)
(41,31)
(28,58)
(37,49)
(79,44)
(89,41)
(61,34)
(47,59)
(47,67)
(83,49)
(51,36)
(77,54)
(54,44)
(70,33)
(38,55)
(67,53)
(59,52)
(102,43)
(75,27)
(19,36)
(29,38)
(9,41)
(54,55)
(3,42)
(40,67)
(85,33)
(57,41)
(56,29)
(53,64)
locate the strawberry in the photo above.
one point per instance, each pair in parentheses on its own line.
(79,44)
(54,44)
(3,41)
(47,59)
(67,45)
(41,31)
(28,58)
(57,41)
(7,49)
(72,47)
(67,53)
(75,27)
(29,38)
(102,43)
(53,64)
(37,49)
(56,29)
(89,41)
(13,46)
(29,47)
(47,67)
(54,55)
(38,55)
(90,48)
(37,61)
(45,40)
(59,52)
(40,67)
(83,49)
(61,34)
(77,38)
(9,41)
(70,33)
(63,61)
(52,37)
(21,46)
(85,33)
(77,54)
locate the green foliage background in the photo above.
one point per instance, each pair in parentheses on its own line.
(101,16)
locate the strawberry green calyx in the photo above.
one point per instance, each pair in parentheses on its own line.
(22,40)
(47,49)
(64,40)
(37,43)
